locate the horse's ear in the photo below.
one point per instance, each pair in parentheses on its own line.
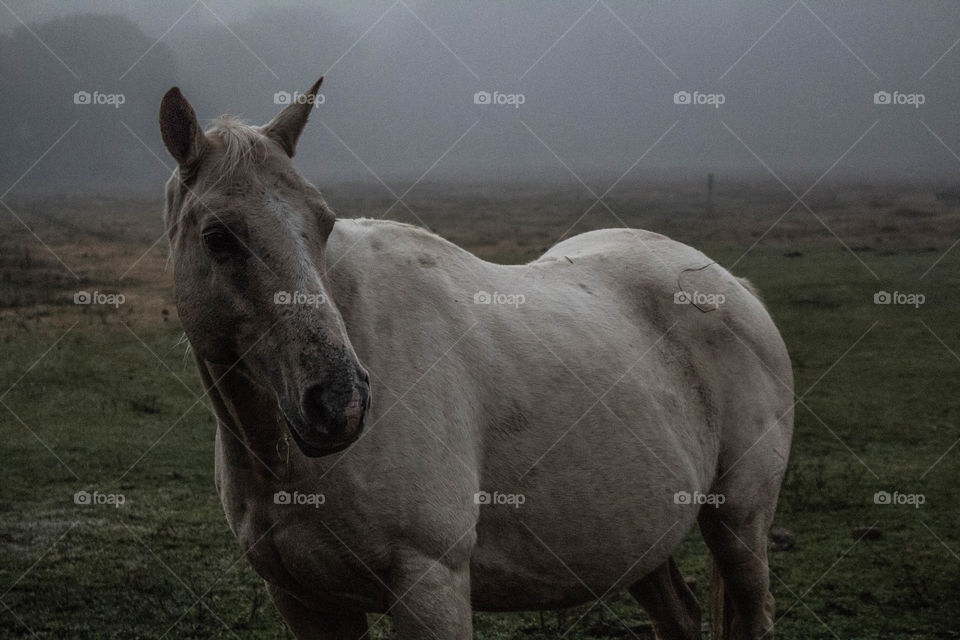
(285,129)
(180,130)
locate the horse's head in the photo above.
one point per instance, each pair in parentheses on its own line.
(248,236)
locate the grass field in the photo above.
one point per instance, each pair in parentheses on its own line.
(104,399)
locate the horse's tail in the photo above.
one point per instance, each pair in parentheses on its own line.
(720,613)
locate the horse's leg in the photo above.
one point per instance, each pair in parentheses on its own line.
(669,602)
(316,624)
(736,533)
(432,598)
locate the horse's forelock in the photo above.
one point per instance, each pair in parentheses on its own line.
(241,146)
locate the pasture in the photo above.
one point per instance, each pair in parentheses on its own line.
(105,399)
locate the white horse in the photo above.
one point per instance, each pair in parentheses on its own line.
(539,435)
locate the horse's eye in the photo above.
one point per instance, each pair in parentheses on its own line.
(221,241)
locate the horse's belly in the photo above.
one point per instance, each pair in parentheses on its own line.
(574,513)
(547,565)
(572,529)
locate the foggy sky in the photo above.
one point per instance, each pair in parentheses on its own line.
(597,81)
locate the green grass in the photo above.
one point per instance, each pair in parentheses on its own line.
(876,418)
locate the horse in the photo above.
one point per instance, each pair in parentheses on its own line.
(406,429)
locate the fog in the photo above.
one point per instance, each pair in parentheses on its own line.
(578,91)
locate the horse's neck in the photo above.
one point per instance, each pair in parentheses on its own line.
(346,241)
(251,435)
(345,257)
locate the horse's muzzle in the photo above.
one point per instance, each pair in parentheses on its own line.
(333,418)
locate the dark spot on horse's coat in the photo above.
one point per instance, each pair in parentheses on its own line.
(513,423)
(425,260)
(586,288)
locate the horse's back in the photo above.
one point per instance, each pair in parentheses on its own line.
(604,241)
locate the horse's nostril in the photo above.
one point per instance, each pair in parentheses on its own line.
(331,413)
(313,403)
